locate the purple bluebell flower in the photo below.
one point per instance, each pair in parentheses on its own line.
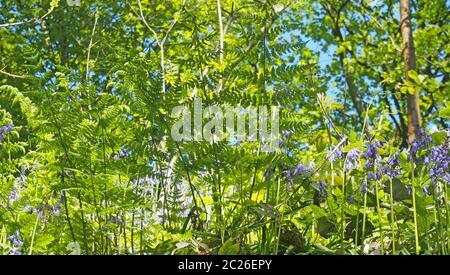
(372,150)
(17,242)
(425,191)
(336,153)
(8,128)
(286,133)
(303,169)
(290,179)
(15,238)
(27,209)
(123,153)
(351,159)
(323,187)
(364,187)
(390,169)
(440,159)
(353,154)
(14,195)
(393,161)
(374,175)
(56,210)
(422,141)
(351,200)
(15,251)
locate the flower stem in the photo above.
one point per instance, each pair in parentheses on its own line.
(364,221)
(416,231)
(379,217)
(392,217)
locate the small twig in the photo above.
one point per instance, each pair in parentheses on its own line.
(14,75)
(89,49)
(39,19)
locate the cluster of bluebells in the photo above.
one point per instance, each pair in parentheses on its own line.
(16,243)
(123,153)
(146,218)
(421,142)
(19,184)
(371,154)
(439,166)
(285,135)
(391,169)
(374,175)
(183,198)
(145,186)
(54,210)
(364,187)
(336,153)
(351,160)
(436,158)
(8,128)
(117,220)
(302,170)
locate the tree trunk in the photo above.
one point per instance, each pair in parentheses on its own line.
(409,57)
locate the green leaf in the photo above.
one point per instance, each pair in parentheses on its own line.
(228,248)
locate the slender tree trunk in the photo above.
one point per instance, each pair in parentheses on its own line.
(409,57)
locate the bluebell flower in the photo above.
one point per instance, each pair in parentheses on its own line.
(390,169)
(351,200)
(323,187)
(56,210)
(364,187)
(17,242)
(27,209)
(440,159)
(393,161)
(123,153)
(422,141)
(286,133)
(290,179)
(373,176)
(372,150)
(13,196)
(353,154)
(303,169)
(336,153)
(8,128)
(351,159)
